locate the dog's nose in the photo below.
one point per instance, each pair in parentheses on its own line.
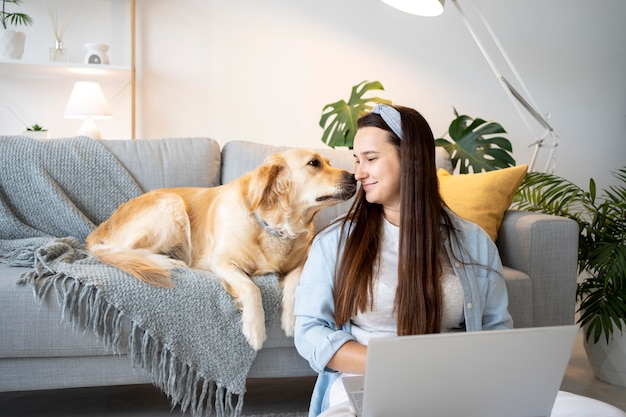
(349,177)
(349,184)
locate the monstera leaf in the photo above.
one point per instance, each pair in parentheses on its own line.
(339,118)
(476,143)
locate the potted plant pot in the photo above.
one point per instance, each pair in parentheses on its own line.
(12,44)
(36,132)
(12,41)
(608,360)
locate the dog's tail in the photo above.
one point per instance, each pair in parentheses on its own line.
(151,268)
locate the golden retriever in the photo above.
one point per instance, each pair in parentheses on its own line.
(258,224)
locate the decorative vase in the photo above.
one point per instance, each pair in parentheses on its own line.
(608,361)
(58,54)
(12,44)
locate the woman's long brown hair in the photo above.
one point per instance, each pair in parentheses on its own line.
(418,301)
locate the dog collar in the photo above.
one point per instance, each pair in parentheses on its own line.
(269,229)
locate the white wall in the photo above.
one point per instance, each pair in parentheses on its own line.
(262,71)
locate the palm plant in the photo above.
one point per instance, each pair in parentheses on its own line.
(14,19)
(472,143)
(339,118)
(601,247)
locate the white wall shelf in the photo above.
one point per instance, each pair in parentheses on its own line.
(35,90)
(56,70)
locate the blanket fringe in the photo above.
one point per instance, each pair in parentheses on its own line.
(21,255)
(85,308)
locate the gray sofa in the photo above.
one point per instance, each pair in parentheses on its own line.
(39,351)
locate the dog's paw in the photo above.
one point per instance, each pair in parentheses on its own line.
(254,331)
(287,321)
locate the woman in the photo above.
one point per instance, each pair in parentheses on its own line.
(399,263)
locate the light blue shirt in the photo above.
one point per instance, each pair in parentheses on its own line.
(317,337)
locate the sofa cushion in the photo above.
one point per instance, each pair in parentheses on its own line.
(169,163)
(481,197)
(30,330)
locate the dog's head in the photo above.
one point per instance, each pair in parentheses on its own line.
(298,183)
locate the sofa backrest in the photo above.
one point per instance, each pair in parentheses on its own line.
(239,157)
(198,162)
(169,163)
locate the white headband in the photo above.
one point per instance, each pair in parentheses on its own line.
(391,116)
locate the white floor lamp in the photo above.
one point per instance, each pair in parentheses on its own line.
(520,101)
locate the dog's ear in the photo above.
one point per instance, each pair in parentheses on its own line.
(269,185)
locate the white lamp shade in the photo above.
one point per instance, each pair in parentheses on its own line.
(87,101)
(418,7)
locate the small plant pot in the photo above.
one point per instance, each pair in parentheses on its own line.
(12,44)
(36,134)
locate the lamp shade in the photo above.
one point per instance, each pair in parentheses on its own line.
(87,101)
(418,7)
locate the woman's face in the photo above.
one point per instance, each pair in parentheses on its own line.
(377,168)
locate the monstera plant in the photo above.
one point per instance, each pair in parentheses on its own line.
(476,143)
(339,119)
(471,142)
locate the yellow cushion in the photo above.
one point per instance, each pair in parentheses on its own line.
(481,197)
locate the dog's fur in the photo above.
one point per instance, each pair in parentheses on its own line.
(258,224)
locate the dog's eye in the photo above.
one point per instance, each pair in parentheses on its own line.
(315,163)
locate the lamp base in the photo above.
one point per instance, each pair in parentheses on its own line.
(90,129)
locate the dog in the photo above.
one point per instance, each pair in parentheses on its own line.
(261,223)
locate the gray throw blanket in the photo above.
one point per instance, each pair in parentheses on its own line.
(62,187)
(188,338)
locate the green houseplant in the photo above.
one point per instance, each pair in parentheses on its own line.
(36,131)
(602,244)
(472,142)
(15,19)
(476,143)
(12,41)
(36,128)
(339,118)
(601,258)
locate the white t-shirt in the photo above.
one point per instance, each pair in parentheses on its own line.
(381,320)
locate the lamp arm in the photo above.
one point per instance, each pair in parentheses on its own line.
(514,95)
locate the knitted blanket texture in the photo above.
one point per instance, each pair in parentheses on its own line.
(188,338)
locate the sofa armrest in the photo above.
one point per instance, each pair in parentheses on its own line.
(546,248)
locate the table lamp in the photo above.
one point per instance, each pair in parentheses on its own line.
(87,102)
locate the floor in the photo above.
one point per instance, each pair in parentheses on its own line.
(263,396)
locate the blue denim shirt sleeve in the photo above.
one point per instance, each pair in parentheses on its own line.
(317,336)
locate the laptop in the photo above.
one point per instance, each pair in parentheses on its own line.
(512,373)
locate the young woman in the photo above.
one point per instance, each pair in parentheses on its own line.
(399,263)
